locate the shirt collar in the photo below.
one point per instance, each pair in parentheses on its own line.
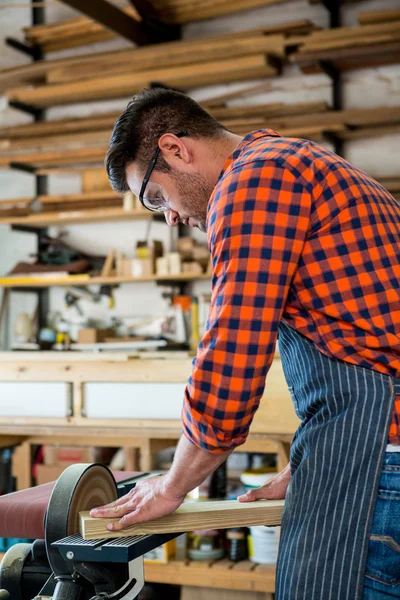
(250,137)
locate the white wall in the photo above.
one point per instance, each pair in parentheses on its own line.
(364,88)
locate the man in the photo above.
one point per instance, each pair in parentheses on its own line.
(304,243)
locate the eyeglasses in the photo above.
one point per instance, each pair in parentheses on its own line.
(154,199)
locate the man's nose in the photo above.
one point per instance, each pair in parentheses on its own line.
(172,217)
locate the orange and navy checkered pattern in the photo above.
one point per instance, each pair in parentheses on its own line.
(295,233)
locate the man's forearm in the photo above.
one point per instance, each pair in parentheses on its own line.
(190,468)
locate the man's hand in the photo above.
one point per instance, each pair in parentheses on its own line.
(274,489)
(149,499)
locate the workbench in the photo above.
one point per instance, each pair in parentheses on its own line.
(116,400)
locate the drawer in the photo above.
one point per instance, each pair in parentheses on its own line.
(35,399)
(133,400)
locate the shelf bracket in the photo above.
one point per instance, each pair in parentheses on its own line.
(333,7)
(335,140)
(112,17)
(334,74)
(35,112)
(164,31)
(32,51)
(22,167)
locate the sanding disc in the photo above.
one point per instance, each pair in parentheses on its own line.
(79,488)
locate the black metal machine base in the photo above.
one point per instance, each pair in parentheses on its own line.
(72,568)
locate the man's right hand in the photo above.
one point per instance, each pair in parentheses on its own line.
(274,489)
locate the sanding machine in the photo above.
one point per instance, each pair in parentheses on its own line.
(60,564)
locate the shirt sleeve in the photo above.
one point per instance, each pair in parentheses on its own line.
(257,224)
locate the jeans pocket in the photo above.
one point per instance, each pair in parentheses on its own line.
(383,560)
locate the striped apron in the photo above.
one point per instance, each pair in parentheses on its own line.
(336,460)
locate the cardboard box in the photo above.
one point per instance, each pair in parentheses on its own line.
(142,267)
(47,473)
(68,455)
(90,335)
(162,554)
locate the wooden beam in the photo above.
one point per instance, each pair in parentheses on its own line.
(190,516)
(379,16)
(218,575)
(114,19)
(117,86)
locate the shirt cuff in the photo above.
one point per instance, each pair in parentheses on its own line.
(206,436)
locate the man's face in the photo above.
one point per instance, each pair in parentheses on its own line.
(185,189)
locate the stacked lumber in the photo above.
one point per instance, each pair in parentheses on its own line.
(84,201)
(185,11)
(379,16)
(270,40)
(64,143)
(52,37)
(21,207)
(183,64)
(81,31)
(370,44)
(15,207)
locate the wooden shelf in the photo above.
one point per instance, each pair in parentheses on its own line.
(79,280)
(222,574)
(78,216)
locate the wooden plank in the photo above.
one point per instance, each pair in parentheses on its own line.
(194,593)
(223,48)
(348,58)
(378,16)
(15,282)
(49,159)
(94,215)
(115,86)
(207,9)
(179,573)
(97,196)
(190,516)
(111,17)
(95,180)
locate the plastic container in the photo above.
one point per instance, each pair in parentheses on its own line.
(263,544)
(256,478)
(206,545)
(237,543)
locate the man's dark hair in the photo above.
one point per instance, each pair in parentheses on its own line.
(149,115)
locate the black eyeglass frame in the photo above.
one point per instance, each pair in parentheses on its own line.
(150,169)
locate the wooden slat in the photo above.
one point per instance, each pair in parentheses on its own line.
(224,48)
(206,9)
(16,282)
(207,73)
(60,127)
(49,159)
(349,58)
(115,19)
(378,16)
(308,120)
(170,54)
(94,215)
(190,516)
(217,577)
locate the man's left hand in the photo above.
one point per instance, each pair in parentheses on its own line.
(148,500)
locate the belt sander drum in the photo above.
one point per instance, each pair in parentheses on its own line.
(63,566)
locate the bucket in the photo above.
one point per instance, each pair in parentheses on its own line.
(263,544)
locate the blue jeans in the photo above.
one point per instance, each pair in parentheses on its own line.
(382,579)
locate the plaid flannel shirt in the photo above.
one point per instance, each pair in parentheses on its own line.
(295,233)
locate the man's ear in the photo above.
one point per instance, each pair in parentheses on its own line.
(174,150)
